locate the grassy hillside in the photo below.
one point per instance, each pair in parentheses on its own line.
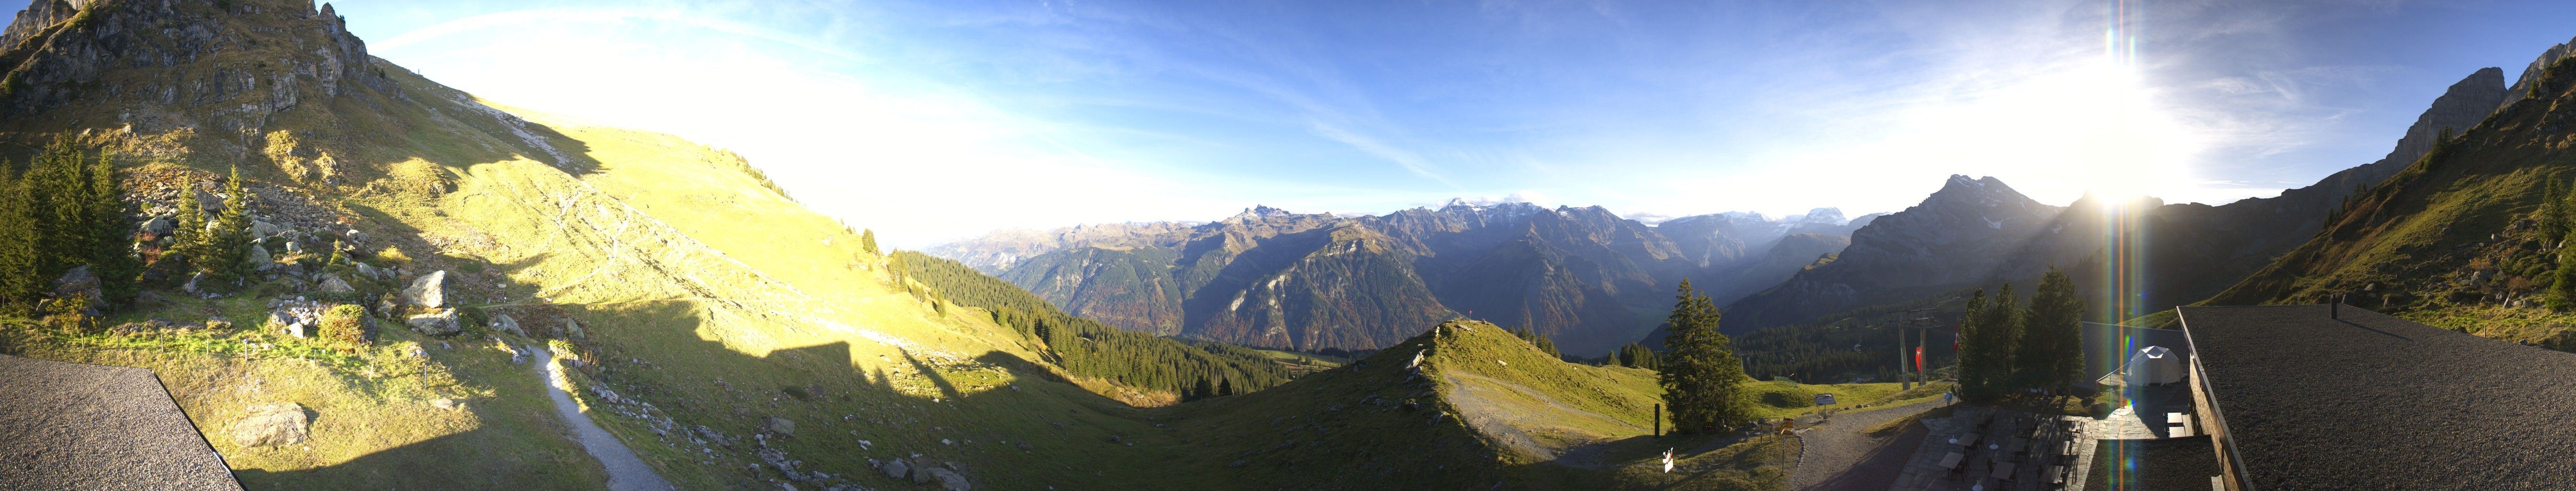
(731,337)
(2450,240)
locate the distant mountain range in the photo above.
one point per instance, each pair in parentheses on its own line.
(1586,277)
(1592,280)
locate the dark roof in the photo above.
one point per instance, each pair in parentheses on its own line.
(2370,401)
(2172,463)
(80,426)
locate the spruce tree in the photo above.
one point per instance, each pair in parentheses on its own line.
(188,238)
(228,248)
(2562,284)
(2051,353)
(19,283)
(1702,379)
(112,255)
(1997,329)
(868,241)
(58,191)
(2553,210)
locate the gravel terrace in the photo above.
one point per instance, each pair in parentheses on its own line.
(1840,456)
(82,426)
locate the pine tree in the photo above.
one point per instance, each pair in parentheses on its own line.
(1702,379)
(19,283)
(59,195)
(2553,209)
(1987,335)
(868,241)
(189,236)
(2562,284)
(1975,352)
(112,254)
(1636,355)
(228,246)
(2051,353)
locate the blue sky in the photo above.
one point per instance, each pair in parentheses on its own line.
(932,121)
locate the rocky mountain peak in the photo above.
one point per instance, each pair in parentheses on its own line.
(39,15)
(2531,74)
(1823,216)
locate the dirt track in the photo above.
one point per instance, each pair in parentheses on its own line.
(1839,456)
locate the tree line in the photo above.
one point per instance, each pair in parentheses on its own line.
(2005,346)
(1091,349)
(63,210)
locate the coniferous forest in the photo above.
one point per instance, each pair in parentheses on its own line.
(59,211)
(1091,349)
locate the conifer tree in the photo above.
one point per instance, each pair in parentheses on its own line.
(189,237)
(1987,335)
(2051,352)
(1702,379)
(228,248)
(1636,355)
(868,241)
(2562,284)
(19,283)
(2553,210)
(112,254)
(58,191)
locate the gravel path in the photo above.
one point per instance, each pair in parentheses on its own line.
(1840,456)
(625,472)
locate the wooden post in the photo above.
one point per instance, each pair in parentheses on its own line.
(1904,372)
(1659,420)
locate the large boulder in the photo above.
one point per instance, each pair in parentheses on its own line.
(261,228)
(331,283)
(507,324)
(949,480)
(258,257)
(369,271)
(441,323)
(158,226)
(780,426)
(81,283)
(573,328)
(271,425)
(428,291)
(895,468)
(211,203)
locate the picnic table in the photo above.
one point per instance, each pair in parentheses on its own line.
(1951,461)
(2183,431)
(1970,440)
(2003,471)
(2177,419)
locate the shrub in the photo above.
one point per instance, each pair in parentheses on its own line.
(68,315)
(345,323)
(392,257)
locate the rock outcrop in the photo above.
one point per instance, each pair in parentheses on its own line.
(442,322)
(429,290)
(331,283)
(271,425)
(39,15)
(79,282)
